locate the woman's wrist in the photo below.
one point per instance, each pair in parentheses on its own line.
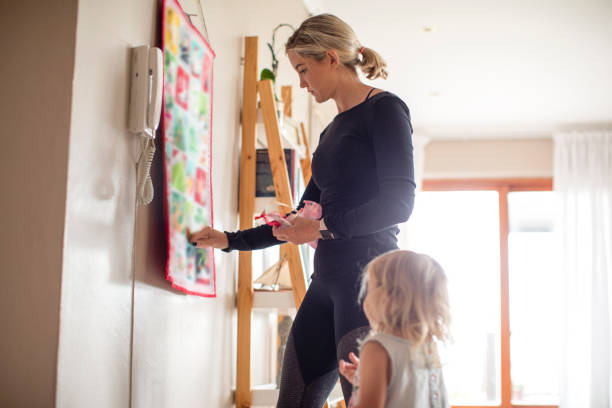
(225,241)
(324,233)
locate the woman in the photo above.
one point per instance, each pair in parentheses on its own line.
(363,177)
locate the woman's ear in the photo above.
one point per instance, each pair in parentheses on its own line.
(334,60)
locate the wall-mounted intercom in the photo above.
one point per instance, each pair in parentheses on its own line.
(146,84)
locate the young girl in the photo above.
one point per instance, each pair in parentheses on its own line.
(406,303)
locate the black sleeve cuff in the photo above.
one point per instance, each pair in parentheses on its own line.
(251,239)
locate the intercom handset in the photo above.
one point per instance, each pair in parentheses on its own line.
(145,111)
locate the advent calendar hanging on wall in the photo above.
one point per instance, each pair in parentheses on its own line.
(187,129)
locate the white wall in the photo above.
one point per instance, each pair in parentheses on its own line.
(94,354)
(489,158)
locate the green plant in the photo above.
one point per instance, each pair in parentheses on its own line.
(267,74)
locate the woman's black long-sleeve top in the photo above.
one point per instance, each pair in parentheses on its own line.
(363,177)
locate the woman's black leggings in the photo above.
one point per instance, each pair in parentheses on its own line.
(325,330)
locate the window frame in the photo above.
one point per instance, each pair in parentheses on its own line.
(503,186)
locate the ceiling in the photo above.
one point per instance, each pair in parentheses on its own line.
(491,69)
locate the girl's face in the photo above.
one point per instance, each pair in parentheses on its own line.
(375,300)
(315,76)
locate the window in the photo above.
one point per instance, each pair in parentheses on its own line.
(494,238)
(534,301)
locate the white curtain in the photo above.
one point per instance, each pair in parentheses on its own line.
(583,181)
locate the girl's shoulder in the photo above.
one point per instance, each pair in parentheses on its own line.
(402,349)
(381,335)
(388,341)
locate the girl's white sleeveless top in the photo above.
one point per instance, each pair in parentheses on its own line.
(411,384)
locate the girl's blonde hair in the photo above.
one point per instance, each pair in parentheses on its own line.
(416,305)
(324,32)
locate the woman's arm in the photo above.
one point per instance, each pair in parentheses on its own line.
(262,236)
(374,376)
(251,239)
(391,133)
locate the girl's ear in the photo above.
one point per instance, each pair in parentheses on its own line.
(385,298)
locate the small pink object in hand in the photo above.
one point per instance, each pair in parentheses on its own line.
(273,219)
(313,211)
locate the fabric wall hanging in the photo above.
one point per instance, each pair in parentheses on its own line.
(187,137)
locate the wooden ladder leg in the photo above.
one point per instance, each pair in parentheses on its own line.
(281,182)
(247,208)
(243,355)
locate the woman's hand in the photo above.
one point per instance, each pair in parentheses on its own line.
(208,237)
(349,370)
(300,231)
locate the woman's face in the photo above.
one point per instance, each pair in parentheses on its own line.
(314,75)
